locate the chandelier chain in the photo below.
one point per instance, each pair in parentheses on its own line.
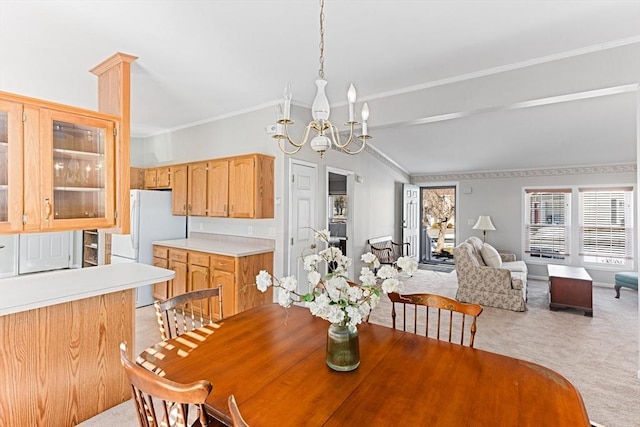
(321,71)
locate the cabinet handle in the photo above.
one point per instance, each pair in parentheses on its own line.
(184,208)
(225,208)
(47,209)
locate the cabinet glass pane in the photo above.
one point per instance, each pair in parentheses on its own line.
(79,174)
(4,166)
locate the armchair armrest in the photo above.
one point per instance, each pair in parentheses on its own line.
(516,284)
(507,256)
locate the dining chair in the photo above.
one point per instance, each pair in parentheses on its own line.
(236,416)
(416,307)
(188,311)
(161,402)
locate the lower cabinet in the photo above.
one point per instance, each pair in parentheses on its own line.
(201,270)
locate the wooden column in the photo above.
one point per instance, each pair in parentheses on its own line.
(114,97)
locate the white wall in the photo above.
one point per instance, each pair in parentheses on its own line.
(374,203)
(501,198)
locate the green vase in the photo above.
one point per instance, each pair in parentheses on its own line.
(343,348)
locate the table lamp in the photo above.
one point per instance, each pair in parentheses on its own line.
(484,223)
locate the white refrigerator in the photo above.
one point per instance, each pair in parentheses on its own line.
(151,220)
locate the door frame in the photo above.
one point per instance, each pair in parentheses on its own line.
(350,206)
(290,261)
(456,186)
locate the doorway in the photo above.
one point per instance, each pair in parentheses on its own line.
(340,210)
(438,224)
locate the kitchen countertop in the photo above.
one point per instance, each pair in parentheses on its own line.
(233,249)
(31,291)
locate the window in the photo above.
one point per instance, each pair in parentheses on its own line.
(547,223)
(606,225)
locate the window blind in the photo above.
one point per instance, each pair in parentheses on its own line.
(606,225)
(547,223)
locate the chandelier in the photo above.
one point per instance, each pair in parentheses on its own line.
(327,133)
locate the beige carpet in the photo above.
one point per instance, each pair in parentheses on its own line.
(598,355)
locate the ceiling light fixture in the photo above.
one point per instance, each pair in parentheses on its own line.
(327,133)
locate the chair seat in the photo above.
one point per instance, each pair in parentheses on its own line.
(628,279)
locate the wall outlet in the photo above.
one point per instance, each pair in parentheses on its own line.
(471,222)
(200,226)
(250,230)
(272,232)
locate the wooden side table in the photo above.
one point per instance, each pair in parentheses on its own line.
(570,287)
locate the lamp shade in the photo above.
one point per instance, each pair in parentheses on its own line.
(484,223)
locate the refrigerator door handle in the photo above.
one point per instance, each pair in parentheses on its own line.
(135,217)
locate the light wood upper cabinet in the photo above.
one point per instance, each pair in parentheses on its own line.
(235,187)
(11,166)
(157,178)
(60,169)
(218,188)
(78,186)
(251,186)
(197,189)
(150,178)
(179,189)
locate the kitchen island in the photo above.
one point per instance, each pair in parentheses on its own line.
(206,261)
(59,333)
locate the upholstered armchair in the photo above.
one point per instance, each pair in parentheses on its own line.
(495,280)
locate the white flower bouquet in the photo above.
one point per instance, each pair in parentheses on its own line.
(333,296)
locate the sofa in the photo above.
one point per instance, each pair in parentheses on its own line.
(489,277)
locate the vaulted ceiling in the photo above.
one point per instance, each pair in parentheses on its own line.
(453,86)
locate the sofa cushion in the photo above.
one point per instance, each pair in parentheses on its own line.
(515,266)
(491,256)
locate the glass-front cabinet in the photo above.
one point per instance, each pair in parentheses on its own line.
(57,167)
(78,186)
(10,166)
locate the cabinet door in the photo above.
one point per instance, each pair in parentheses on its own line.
(11,189)
(161,290)
(227,281)
(242,187)
(78,171)
(197,189)
(218,188)
(199,279)
(163,177)
(150,178)
(179,283)
(179,189)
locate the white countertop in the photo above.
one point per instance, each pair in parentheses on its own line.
(215,247)
(30,291)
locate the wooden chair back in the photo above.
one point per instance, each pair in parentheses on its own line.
(386,250)
(431,318)
(236,416)
(188,311)
(161,402)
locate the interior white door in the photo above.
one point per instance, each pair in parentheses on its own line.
(411,219)
(45,251)
(304,192)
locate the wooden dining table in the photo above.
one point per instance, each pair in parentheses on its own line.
(273,360)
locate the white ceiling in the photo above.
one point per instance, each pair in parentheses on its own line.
(413,61)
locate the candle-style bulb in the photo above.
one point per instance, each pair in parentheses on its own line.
(287,101)
(365,112)
(351,93)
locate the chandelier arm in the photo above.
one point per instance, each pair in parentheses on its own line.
(359,150)
(349,140)
(305,136)
(288,153)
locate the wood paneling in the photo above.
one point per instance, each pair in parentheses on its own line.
(60,365)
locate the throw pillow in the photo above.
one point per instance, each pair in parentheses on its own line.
(476,242)
(491,256)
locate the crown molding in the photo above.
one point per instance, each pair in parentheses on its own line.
(529,173)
